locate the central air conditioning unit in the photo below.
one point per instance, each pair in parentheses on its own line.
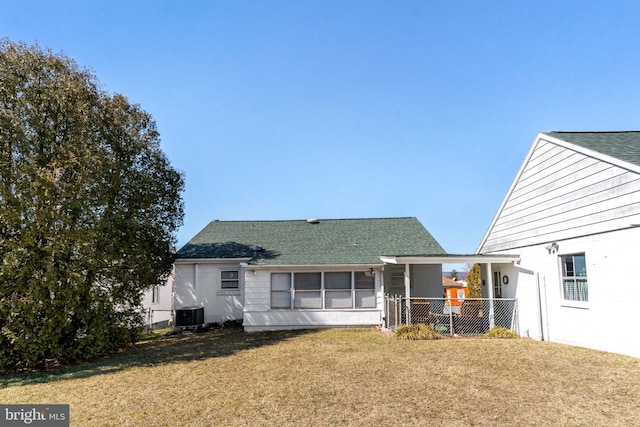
(190,317)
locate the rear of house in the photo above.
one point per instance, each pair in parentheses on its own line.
(572,214)
(300,273)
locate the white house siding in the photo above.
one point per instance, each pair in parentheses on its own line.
(158,312)
(427,281)
(258,315)
(198,284)
(560,194)
(609,320)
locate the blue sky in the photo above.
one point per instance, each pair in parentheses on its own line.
(350,109)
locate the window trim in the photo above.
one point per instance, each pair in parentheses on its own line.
(323,291)
(574,303)
(224,281)
(288,291)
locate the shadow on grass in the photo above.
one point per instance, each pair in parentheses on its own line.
(164,350)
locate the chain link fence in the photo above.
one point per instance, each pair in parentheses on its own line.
(471,316)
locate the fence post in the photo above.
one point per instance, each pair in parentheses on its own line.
(514,317)
(450,317)
(384,315)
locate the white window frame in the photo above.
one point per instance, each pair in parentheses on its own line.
(582,300)
(297,303)
(227,283)
(356,293)
(288,291)
(155,294)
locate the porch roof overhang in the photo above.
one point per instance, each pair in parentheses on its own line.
(451,259)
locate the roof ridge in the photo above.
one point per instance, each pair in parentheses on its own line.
(592,131)
(305,219)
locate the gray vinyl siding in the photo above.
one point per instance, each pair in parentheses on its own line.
(562,194)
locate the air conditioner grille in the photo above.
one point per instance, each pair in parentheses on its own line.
(190,316)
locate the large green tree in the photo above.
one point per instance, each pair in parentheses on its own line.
(89,207)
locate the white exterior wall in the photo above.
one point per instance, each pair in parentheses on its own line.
(427,280)
(158,312)
(198,284)
(587,203)
(258,315)
(609,320)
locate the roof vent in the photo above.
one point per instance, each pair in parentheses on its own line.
(313,221)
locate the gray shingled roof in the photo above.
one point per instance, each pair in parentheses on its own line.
(298,242)
(621,145)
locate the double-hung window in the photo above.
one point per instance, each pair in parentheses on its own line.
(574,278)
(229,279)
(307,290)
(365,290)
(280,290)
(337,290)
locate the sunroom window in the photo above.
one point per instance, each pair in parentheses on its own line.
(365,289)
(307,290)
(337,293)
(323,290)
(281,290)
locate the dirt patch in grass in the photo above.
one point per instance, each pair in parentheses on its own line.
(341,377)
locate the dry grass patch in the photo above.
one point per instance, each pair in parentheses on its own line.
(341,377)
(418,331)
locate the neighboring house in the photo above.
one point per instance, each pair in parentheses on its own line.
(157,302)
(448,282)
(572,214)
(455,291)
(302,273)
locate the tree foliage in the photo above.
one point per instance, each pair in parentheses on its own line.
(89,206)
(474,282)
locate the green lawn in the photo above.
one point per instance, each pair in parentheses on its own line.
(341,377)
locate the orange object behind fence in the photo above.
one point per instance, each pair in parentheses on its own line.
(455,296)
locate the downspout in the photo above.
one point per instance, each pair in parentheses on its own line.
(546,306)
(173,296)
(539,302)
(379,283)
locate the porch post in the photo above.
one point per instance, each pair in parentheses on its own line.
(407,292)
(492,321)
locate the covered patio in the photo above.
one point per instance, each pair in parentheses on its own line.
(420,300)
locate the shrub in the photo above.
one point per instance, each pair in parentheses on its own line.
(417,332)
(501,333)
(235,324)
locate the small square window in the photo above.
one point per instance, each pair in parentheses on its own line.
(229,279)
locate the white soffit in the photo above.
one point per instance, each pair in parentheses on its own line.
(451,259)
